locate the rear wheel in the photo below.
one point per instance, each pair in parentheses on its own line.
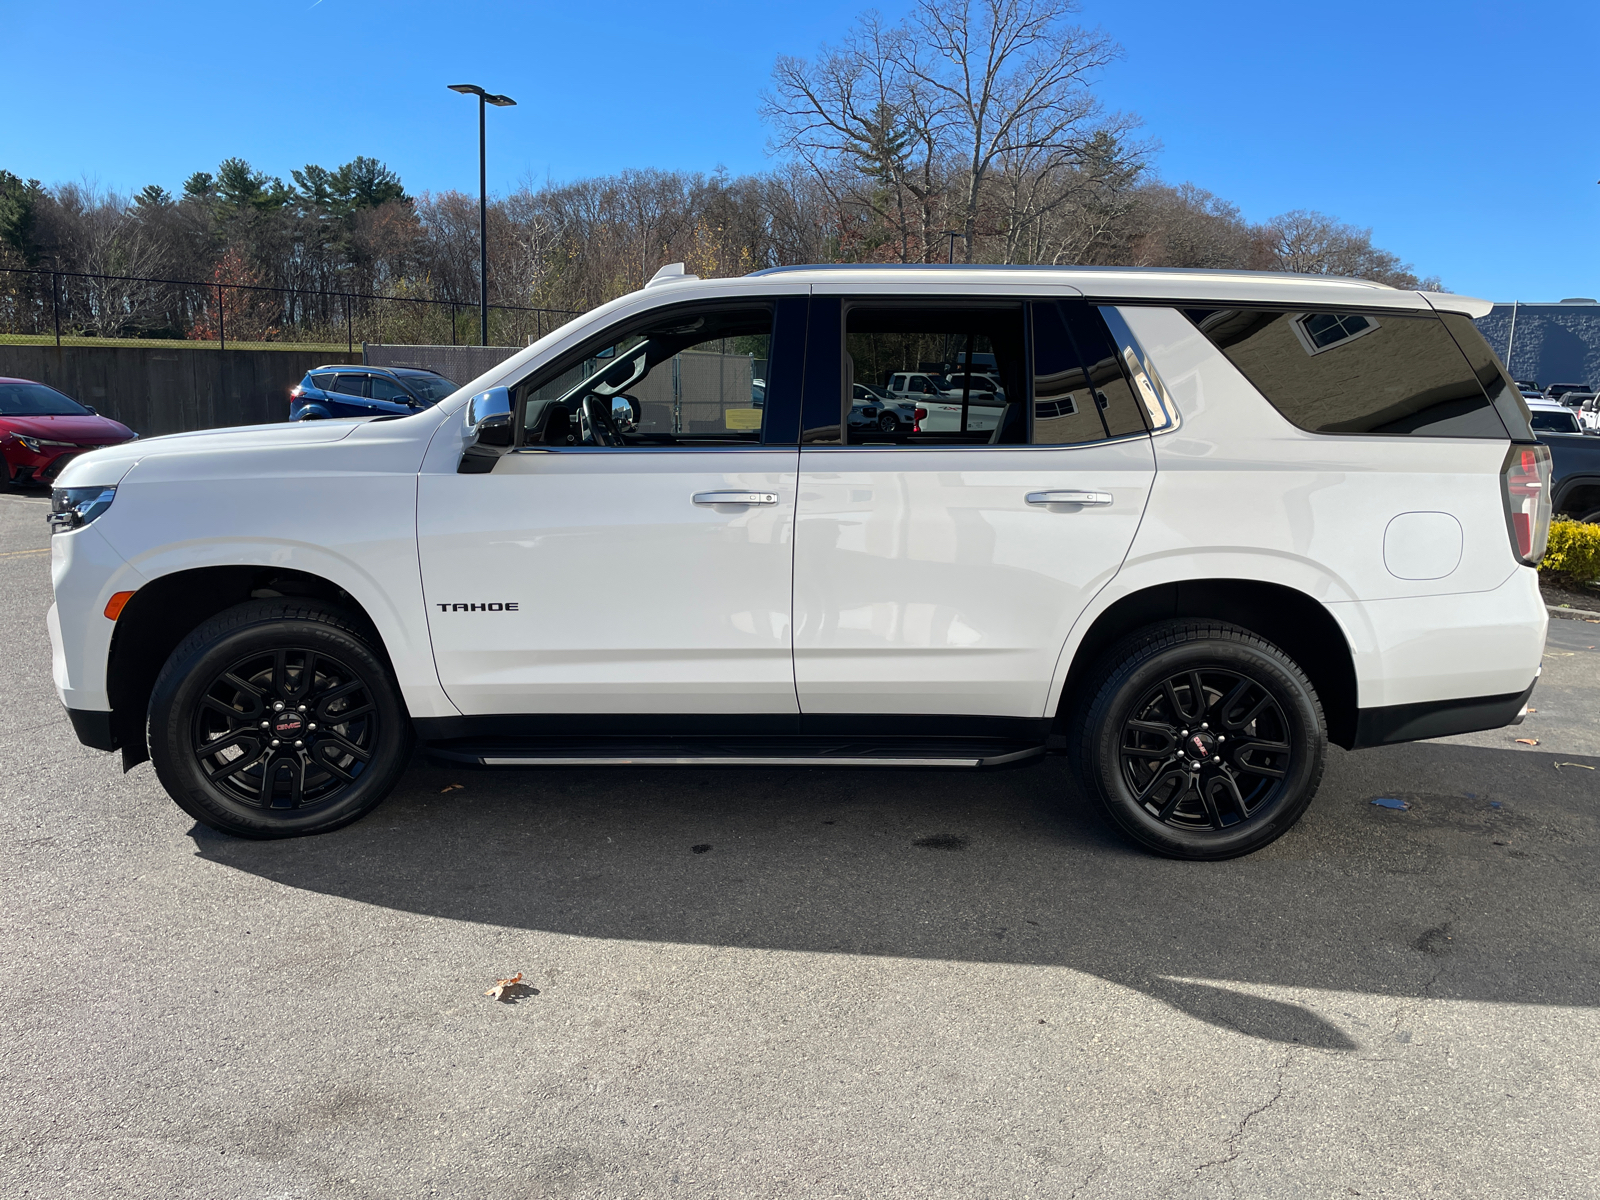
(1202,741)
(277,719)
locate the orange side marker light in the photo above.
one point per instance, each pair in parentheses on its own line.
(115,605)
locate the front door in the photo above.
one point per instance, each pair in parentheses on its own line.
(939,570)
(634,554)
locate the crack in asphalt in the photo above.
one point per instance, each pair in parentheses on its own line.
(1234,1149)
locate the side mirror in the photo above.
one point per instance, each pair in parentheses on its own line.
(491,431)
(625,413)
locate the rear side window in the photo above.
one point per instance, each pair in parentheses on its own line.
(352,385)
(323,382)
(1387,373)
(1080,393)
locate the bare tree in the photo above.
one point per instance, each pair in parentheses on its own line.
(1012,77)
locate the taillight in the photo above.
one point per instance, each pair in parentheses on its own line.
(1525,491)
(922,414)
(294,392)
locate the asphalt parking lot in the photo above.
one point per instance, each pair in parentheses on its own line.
(871,984)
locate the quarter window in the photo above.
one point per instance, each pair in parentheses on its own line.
(1389,374)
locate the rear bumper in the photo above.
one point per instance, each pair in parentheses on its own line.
(1437,718)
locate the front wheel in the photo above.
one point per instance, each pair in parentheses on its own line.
(888,423)
(277,719)
(1202,741)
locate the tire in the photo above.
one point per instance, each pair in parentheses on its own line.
(888,423)
(1592,519)
(236,672)
(1144,731)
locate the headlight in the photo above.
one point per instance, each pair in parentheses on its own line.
(30,444)
(72,507)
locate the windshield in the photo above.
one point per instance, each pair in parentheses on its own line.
(36,400)
(1554,422)
(432,388)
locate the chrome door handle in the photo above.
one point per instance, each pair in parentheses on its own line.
(1084,498)
(735,497)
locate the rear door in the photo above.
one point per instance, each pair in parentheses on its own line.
(939,571)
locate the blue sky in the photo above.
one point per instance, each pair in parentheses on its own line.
(1463,133)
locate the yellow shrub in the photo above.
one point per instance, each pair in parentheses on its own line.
(1574,550)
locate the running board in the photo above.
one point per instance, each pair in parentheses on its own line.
(967,754)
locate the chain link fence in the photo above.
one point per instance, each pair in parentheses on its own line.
(39,306)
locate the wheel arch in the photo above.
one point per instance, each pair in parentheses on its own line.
(1289,618)
(1578,496)
(167,609)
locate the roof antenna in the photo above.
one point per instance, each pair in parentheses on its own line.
(671,273)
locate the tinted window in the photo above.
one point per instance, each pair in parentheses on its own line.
(351,385)
(1545,421)
(431,388)
(1486,365)
(36,400)
(1374,373)
(956,406)
(323,382)
(683,379)
(387,389)
(1080,393)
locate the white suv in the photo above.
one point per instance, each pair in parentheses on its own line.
(1219,520)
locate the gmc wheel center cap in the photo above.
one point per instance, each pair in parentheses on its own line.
(288,725)
(1202,745)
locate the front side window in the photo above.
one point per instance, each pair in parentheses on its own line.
(1391,374)
(685,378)
(384,388)
(929,357)
(430,388)
(36,400)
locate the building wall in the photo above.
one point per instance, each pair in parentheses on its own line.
(1555,343)
(171,390)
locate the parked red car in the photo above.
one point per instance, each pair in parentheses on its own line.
(41,430)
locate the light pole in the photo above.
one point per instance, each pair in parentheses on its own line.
(953,234)
(472,89)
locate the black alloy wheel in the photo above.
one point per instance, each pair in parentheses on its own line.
(1206,749)
(1202,741)
(276,719)
(289,728)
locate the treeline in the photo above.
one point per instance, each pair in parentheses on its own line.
(970,131)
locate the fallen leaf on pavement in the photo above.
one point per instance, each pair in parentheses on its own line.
(1580,766)
(1533,710)
(454,787)
(506,987)
(1527,741)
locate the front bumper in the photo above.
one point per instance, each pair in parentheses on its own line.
(93,728)
(25,467)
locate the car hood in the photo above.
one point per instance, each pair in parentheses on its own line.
(81,430)
(108,465)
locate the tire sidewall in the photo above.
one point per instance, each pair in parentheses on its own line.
(184,681)
(1130,684)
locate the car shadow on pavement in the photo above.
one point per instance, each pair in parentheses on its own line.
(1482,888)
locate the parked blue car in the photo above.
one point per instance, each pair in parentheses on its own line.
(344,390)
